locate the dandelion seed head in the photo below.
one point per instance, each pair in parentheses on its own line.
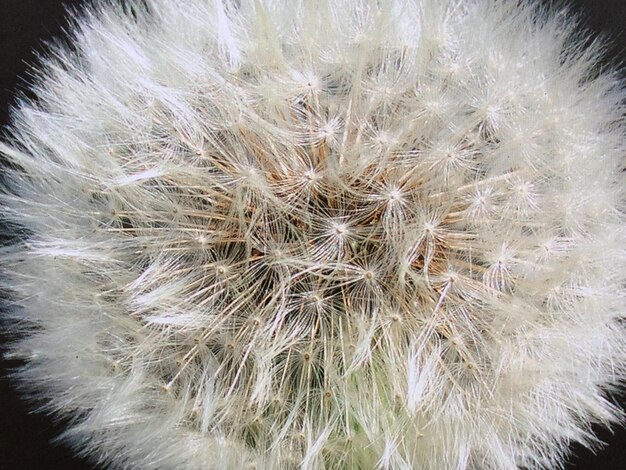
(338,234)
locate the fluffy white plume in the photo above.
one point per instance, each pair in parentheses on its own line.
(328,234)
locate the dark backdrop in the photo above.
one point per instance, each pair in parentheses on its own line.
(24,26)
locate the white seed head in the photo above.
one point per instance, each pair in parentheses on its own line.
(335,234)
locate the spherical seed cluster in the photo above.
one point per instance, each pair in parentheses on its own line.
(329,234)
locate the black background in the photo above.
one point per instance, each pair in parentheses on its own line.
(24,26)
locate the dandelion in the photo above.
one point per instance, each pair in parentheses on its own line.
(319,235)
